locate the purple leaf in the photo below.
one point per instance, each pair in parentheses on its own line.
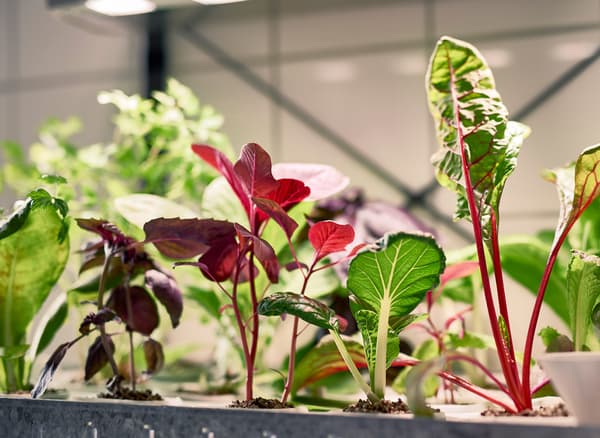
(97,357)
(102,317)
(278,214)
(254,170)
(108,231)
(184,238)
(143,317)
(166,291)
(323,180)
(218,263)
(154,355)
(328,237)
(263,251)
(50,368)
(221,163)
(292,266)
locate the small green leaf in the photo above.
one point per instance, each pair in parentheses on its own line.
(53,179)
(415,386)
(555,341)
(583,290)
(425,351)
(469,340)
(309,310)
(16,220)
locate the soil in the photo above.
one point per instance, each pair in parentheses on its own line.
(382,406)
(558,410)
(260,403)
(128,394)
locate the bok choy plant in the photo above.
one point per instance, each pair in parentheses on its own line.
(479,146)
(387,281)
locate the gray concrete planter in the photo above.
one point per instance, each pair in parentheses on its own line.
(64,419)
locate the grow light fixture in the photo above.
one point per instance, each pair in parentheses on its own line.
(121,7)
(217,2)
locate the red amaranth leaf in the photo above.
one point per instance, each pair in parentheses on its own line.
(263,251)
(221,163)
(218,263)
(278,214)
(458,270)
(184,238)
(328,237)
(253,170)
(289,192)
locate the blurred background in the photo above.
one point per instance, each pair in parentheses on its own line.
(339,82)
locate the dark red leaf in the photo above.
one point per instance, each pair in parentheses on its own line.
(289,192)
(263,251)
(97,357)
(50,368)
(220,260)
(244,268)
(143,317)
(254,170)
(166,291)
(108,231)
(292,266)
(328,237)
(323,180)
(278,214)
(155,357)
(184,238)
(220,162)
(102,317)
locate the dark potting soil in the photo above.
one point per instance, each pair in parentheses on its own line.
(260,403)
(382,406)
(128,394)
(558,410)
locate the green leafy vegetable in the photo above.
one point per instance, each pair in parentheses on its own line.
(583,290)
(388,283)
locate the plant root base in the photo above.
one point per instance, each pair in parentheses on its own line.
(558,410)
(381,407)
(128,394)
(260,403)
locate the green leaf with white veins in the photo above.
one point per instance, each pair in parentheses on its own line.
(583,289)
(472,123)
(389,282)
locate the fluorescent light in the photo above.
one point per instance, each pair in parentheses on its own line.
(410,64)
(217,2)
(497,58)
(120,7)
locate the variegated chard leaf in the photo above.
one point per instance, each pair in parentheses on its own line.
(472,126)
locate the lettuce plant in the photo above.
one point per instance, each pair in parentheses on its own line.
(121,259)
(479,146)
(34,249)
(234,253)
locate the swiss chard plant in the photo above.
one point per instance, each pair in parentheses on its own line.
(123,300)
(479,146)
(387,281)
(239,252)
(34,249)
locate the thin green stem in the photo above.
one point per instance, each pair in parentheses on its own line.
(352,367)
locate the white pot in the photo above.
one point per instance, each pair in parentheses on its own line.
(576,377)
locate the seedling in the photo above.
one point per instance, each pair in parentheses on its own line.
(122,259)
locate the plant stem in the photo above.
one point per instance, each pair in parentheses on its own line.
(535,313)
(254,330)
(243,337)
(132,362)
(352,367)
(292,360)
(507,369)
(108,254)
